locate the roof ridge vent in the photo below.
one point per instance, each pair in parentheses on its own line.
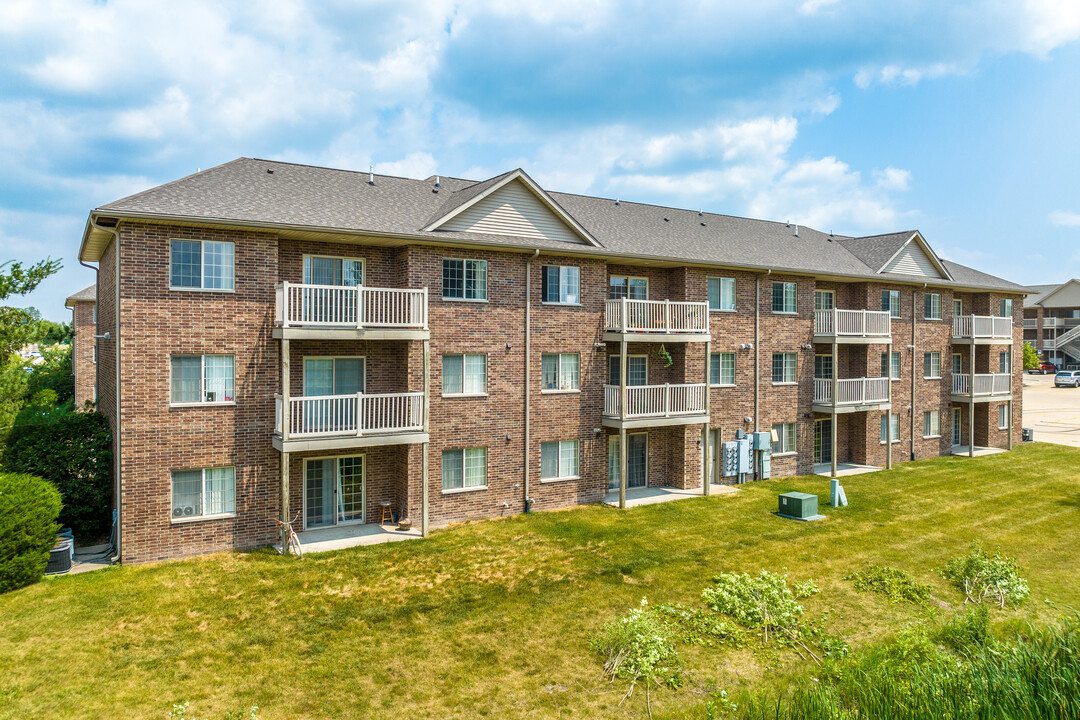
(437,182)
(370,174)
(796,230)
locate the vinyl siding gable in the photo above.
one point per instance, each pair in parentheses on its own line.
(912,260)
(513,210)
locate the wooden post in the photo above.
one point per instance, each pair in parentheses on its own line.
(285,412)
(971,396)
(888,445)
(835,396)
(285,510)
(622,467)
(623,405)
(705,476)
(424,473)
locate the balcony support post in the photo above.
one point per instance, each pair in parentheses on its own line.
(284,501)
(622,467)
(835,399)
(706,477)
(888,394)
(971,397)
(622,414)
(426,416)
(286,405)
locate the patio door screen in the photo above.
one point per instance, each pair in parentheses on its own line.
(326,306)
(823,441)
(334,491)
(637,453)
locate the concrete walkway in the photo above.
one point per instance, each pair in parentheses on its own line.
(979,450)
(653,495)
(346,536)
(844,469)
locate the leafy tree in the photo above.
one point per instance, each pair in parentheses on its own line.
(18,326)
(53,374)
(14,390)
(1031,356)
(28,510)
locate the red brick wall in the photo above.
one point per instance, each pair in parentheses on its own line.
(82,358)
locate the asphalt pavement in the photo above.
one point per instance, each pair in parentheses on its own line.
(1053,413)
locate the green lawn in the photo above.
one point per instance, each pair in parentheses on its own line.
(493,618)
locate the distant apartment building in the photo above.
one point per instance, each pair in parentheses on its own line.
(288,338)
(1052,322)
(83,306)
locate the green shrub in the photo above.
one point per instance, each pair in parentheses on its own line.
(28,510)
(71,449)
(54,374)
(967,632)
(988,578)
(698,627)
(764,602)
(638,648)
(899,586)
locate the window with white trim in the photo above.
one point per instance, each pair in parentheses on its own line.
(464,469)
(891,369)
(931,365)
(327,270)
(201,265)
(464,374)
(631,288)
(957,306)
(203,493)
(722,368)
(890,300)
(637,369)
(1005,362)
(464,279)
(931,423)
(202,379)
(783,367)
(721,293)
(895,426)
(783,438)
(824,300)
(783,297)
(931,306)
(560,371)
(1005,307)
(1003,417)
(559,459)
(957,364)
(560,284)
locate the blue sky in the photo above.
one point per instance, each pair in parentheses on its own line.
(958,118)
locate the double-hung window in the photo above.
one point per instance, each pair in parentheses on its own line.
(931,423)
(322,270)
(631,288)
(722,369)
(637,370)
(893,421)
(1003,416)
(561,284)
(1005,307)
(783,438)
(558,459)
(783,297)
(890,367)
(464,469)
(203,493)
(783,367)
(202,379)
(824,300)
(890,300)
(201,265)
(931,365)
(1005,362)
(957,307)
(464,279)
(464,374)
(957,363)
(722,294)
(932,306)
(561,371)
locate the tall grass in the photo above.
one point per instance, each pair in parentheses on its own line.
(1033,676)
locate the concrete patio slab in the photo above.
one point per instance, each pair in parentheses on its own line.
(347,536)
(653,495)
(844,469)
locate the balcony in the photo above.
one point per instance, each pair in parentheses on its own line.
(987,387)
(349,312)
(655,405)
(852,395)
(333,422)
(1033,323)
(648,320)
(982,330)
(852,326)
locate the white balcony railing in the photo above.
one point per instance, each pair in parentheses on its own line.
(982,327)
(985,384)
(655,400)
(350,306)
(853,323)
(1032,323)
(852,391)
(352,415)
(655,316)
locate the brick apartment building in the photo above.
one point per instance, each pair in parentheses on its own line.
(84,346)
(288,338)
(1052,322)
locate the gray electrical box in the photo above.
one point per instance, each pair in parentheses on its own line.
(729,463)
(765,463)
(745,466)
(762,441)
(799,506)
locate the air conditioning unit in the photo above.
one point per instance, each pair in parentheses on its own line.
(799,506)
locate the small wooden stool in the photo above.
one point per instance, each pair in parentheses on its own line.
(387,512)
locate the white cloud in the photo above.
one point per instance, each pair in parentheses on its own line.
(1064,218)
(812,7)
(893,178)
(414,165)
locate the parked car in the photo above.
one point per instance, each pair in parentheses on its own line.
(1067,378)
(1044,368)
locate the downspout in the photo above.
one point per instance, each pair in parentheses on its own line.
(757,346)
(116,353)
(528,366)
(888,434)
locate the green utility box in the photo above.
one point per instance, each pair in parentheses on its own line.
(799,506)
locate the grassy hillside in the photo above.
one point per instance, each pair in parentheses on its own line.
(493,618)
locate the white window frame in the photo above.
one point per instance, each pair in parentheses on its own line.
(935,306)
(894,422)
(442,377)
(464,274)
(561,473)
(957,368)
(720,284)
(794,368)
(202,266)
(202,496)
(781,430)
(931,424)
(464,462)
(822,293)
(931,355)
(889,361)
(333,379)
(1002,302)
(830,366)
(958,306)
(337,482)
(305,264)
(563,272)
(618,364)
(720,369)
(559,372)
(1003,416)
(628,278)
(894,307)
(1005,362)
(202,381)
(794,300)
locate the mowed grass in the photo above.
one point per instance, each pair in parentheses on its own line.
(493,618)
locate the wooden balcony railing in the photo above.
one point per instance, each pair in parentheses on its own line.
(351,415)
(853,323)
(299,305)
(644,401)
(655,316)
(982,327)
(852,391)
(985,384)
